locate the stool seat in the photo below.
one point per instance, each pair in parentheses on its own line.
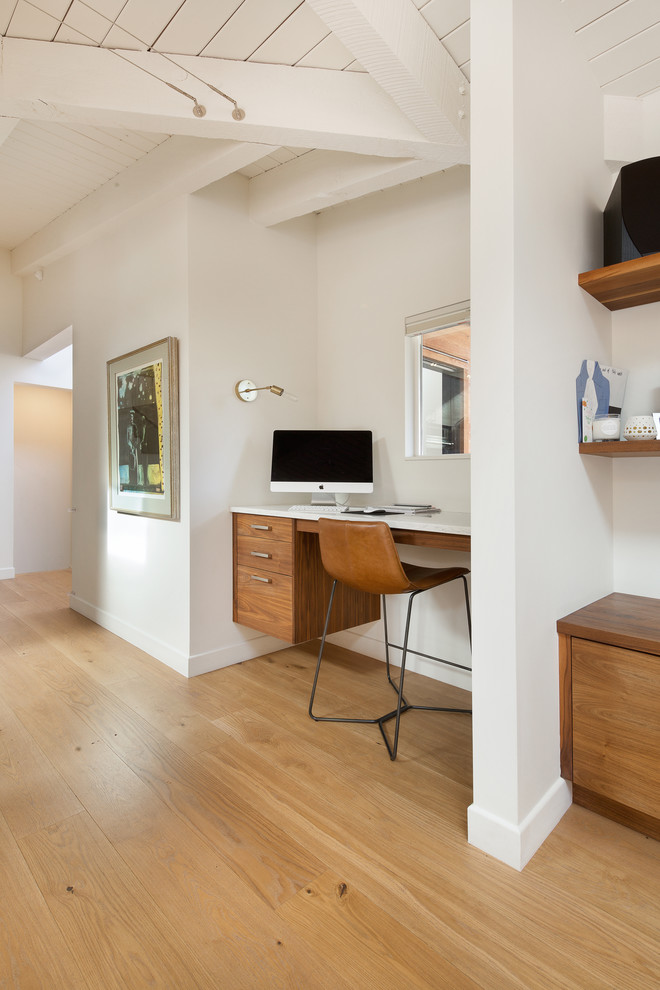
(362,555)
(424,578)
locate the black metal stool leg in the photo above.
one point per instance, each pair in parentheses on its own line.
(467,608)
(402,706)
(318,662)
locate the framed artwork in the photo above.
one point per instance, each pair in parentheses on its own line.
(143,425)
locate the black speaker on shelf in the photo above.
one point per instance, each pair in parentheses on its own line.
(631,221)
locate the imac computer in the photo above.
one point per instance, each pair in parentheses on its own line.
(328,463)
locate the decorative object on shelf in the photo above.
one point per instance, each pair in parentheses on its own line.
(607,427)
(247,391)
(618,378)
(143,427)
(639,428)
(656,420)
(592,390)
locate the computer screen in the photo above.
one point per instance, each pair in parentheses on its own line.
(333,461)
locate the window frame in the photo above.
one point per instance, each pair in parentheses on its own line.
(443,318)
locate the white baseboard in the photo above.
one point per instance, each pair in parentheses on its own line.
(154,647)
(202,663)
(7,573)
(516,844)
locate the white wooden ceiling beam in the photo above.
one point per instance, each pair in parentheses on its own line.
(321,179)
(300,107)
(393,42)
(177,167)
(7,125)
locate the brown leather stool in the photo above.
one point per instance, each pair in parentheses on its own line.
(363,555)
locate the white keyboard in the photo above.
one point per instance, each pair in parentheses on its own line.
(319,510)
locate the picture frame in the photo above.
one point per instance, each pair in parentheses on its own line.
(143,430)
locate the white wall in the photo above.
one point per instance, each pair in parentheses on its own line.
(252,315)
(55,372)
(125,291)
(541,523)
(636,481)
(10,348)
(380,259)
(42,478)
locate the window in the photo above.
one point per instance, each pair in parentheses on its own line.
(438,382)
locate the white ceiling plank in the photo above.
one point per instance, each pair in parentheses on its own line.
(57,8)
(618,25)
(246,29)
(444,16)
(108,8)
(88,145)
(299,33)
(322,179)
(69,36)
(330,53)
(457,43)
(28,22)
(92,25)
(192,27)
(120,39)
(399,50)
(284,105)
(618,61)
(642,82)
(145,19)
(178,167)
(6,10)
(581,12)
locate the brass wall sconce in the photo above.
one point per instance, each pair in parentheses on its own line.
(247,391)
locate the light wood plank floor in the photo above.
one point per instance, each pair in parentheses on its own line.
(163,832)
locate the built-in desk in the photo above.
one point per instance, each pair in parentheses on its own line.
(280,585)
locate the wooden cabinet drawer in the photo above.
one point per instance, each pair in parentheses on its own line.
(263,600)
(616,724)
(263,527)
(269,555)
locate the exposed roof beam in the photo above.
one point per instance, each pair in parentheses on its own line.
(7,125)
(396,46)
(321,179)
(300,107)
(177,167)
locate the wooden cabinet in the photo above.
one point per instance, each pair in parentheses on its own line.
(610,708)
(280,585)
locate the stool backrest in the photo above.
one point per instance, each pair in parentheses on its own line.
(362,555)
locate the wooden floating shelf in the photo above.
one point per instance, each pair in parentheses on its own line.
(622,448)
(630,283)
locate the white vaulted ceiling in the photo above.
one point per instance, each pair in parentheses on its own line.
(99,101)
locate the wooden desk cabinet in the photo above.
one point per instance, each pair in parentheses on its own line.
(280,585)
(610,708)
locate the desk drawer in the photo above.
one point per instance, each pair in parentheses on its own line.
(263,527)
(264,600)
(270,555)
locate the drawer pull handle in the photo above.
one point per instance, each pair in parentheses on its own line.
(257,553)
(256,526)
(255,577)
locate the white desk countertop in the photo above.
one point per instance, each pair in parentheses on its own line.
(432,522)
